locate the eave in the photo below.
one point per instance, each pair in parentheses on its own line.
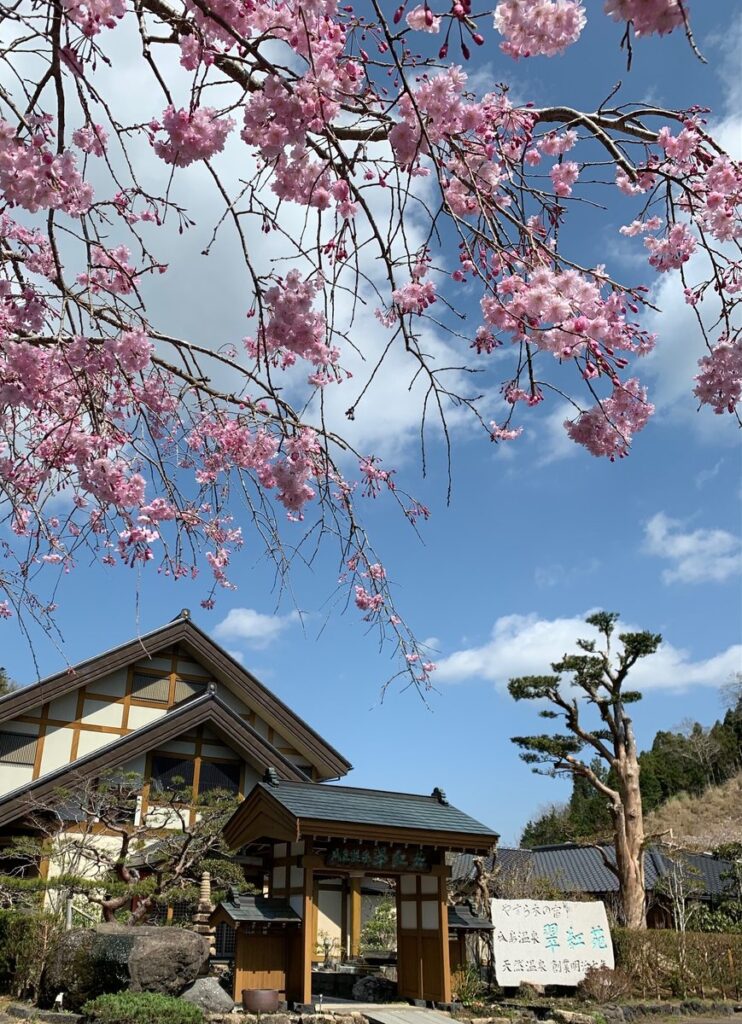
(207,710)
(193,640)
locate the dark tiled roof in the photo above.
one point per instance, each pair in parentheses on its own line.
(462,918)
(260,910)
(574,868)
(374,807)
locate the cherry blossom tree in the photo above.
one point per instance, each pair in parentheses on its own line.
(358,173)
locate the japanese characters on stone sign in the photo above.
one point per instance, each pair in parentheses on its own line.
(549,942)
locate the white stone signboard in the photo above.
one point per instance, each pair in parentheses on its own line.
(549,942)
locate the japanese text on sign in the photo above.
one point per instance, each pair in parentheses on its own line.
(549,942)
(379,857)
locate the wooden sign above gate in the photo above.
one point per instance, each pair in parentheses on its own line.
(378,857)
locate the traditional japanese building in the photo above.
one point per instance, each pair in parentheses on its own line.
(174,705)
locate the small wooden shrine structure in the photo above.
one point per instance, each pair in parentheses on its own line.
(294,834)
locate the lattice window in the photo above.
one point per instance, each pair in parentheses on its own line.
(169,773)
(185,688)
(150,688)
(219,775)
(226,937)
(17,748)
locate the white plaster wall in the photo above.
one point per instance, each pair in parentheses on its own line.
(177,747)
(90,741)
(111,686)
(13,776)
(192,668)
(57,748)
(60,861)
(329,918)
(231,700)
(139,717)
(217,750)
(64,709)
(261,727)
(97,712)
(297,904)
(135,765)
(251,777)
(155,665)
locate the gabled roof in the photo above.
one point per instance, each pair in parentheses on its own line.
(572,868)
(256,910)
(193,640)
(296,809)
(461,918)
(208,709)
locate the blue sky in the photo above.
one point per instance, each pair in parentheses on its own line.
(536,534)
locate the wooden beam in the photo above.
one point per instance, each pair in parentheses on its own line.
(355,916)
(445,952)
(308,935)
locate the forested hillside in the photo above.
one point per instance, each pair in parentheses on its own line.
(690,760)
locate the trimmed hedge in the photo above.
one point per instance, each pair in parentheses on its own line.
(668,964)
(26,939)
(140,1008)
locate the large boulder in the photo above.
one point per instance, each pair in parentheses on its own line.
(374,989)
(209,995)
(112,957)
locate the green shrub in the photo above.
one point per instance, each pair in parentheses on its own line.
(140,1008)
(663,963)
(26,938)
(467,985)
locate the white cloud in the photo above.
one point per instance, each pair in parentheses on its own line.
(253,627)
(697,556)
(527,645)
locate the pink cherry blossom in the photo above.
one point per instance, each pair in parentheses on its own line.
(91,138)
(564,176)
(647,16)
(672,251)
(422,19)
(539,27)
(720,380)
(608,429)
(192,135)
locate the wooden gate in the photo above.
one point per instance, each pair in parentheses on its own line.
(422,939)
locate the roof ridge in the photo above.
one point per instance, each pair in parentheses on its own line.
(185,708)
(361,789)
(25,687)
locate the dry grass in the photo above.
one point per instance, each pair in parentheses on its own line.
(702,822)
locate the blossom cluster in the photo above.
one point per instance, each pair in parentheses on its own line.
(539,27)
(33,177)
(292,328)
(191,135)
(607,429)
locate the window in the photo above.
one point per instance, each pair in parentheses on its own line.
(222,775)
(225,941)
(17,748)
(146,687)
(186,688)
(171,773)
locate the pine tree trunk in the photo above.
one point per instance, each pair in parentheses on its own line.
(629,835)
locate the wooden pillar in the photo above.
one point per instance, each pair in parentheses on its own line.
(355,916)
(443,932)
(308,919)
